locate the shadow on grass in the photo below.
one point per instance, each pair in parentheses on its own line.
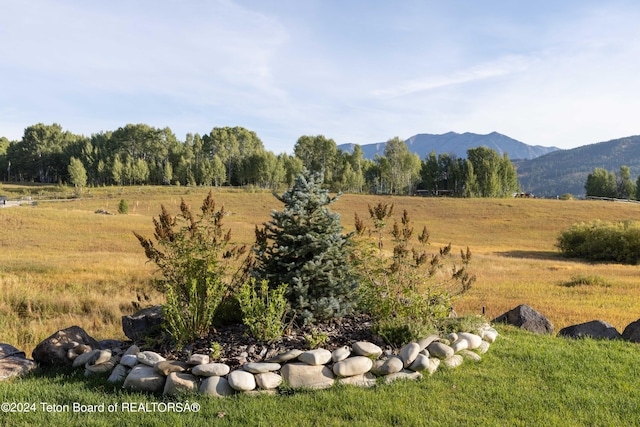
(549,255)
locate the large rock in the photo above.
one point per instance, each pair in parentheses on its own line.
(439,350)
(301,375)
(179,383)
(261,367)
(268,380)
(365,348)
(352,366)
(13,362)
(526,318)
(216,386)
(211,370)
(473,339)
(242,380)
(53,350)
(408,353)
(145,378)
(144,323)
(319,356)
(632,332)
(149,358)
(84,358)
(118,374)
(391,365)
(593,329)
(421,363)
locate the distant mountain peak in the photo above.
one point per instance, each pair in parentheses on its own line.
(458,144)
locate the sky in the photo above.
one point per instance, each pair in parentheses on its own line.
(551,73)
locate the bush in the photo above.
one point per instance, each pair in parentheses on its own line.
(263,310)
(123,207)
(409,292)
(193,255)
(582,280)
(602,241)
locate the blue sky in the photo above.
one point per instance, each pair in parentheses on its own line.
(552,73)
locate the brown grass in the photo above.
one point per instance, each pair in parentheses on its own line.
(62,264)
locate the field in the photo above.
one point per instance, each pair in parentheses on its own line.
(63,264)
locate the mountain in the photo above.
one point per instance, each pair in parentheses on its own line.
(458,144)
(566,171)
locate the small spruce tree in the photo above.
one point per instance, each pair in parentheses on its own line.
(304,247)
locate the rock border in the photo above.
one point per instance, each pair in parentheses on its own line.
(361,364)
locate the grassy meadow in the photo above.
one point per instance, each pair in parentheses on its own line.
(63,264)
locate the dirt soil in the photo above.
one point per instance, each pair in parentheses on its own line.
(238,347)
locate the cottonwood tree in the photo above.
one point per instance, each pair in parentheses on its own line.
(77,173)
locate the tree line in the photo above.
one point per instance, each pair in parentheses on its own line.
(604,183)
(138,154)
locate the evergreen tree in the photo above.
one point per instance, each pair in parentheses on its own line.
(304,247)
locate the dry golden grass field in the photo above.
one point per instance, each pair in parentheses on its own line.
(62,264)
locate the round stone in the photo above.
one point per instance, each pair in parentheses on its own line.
(129,360)
(241,380)
(319,356)
(391,365)
(420,364)
(409,352)
(461,344)
(268,380)
(149,358)
(473,339)
(340,354)
(351,366)
(365,348)
(261,367)
(440,350)
(216,386)
(211,370)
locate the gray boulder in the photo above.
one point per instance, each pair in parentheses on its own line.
(632,332)
(593,329)
(53,350)
(526,318)
(13,362)
(144,323)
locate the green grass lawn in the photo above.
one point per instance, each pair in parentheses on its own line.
(524,380)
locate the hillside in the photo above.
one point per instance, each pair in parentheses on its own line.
(458,144)
(566,171)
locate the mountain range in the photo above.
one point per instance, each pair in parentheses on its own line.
(458,143)
(566,171)
(543,171)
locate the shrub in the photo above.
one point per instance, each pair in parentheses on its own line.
(581,280)
(304,247)
(602,241)
(194,256)
(263,310)
(409,291)
(123,207)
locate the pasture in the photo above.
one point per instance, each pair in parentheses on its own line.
(63,264)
